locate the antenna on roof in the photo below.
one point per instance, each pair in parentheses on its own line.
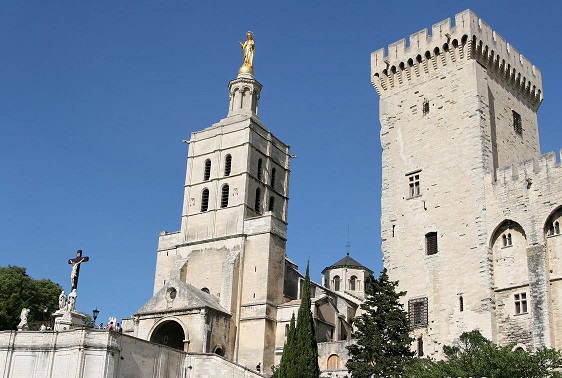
(348,245)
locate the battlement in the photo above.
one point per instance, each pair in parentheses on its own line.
(468,38)
(529,171)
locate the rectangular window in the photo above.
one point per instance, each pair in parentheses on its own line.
(517,124)
(417,312)
(520,303)
(414,184)
(431,243)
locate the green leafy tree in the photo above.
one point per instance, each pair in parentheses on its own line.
(382,333)
(300,354)
(18,290)
(475,356)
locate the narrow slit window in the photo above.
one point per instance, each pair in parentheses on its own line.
(271,206)
(425,107)
(207,174)
(205,200)
(556,228)
(461,303)
(509,242)
(224,195)
(260,164)
(420,346)
(227,164)
(257,204)
(272,183)
(517,123)
(431,243)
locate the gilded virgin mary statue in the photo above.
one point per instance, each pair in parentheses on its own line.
(248,48)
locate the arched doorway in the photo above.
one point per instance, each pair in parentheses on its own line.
(169,333)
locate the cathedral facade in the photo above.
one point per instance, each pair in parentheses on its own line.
(471,210)
(223,283)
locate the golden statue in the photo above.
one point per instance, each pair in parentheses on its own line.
(248,48)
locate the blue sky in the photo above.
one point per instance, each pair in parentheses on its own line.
(95,98)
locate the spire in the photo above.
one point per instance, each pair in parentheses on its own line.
(348,245)
(245,89)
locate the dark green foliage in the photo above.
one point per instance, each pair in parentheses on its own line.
(300,354)
(476,356)
(286,367)
(382,334)
(18,290)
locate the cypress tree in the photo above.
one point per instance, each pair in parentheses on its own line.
(382,334)
(300,353)
(306,351)
(285,369)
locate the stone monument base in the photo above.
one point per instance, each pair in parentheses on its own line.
(65,321)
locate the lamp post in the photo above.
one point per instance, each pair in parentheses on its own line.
(45,309)
(95,312)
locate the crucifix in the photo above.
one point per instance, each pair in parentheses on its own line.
(76,268)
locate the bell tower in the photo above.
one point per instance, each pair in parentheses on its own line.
(231,244)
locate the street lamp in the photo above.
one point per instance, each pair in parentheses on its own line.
(95,312)
(45,309)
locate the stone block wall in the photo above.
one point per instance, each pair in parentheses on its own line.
(90,353)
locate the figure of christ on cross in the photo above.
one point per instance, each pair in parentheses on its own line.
(76,268)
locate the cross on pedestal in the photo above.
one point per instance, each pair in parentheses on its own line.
(76,268)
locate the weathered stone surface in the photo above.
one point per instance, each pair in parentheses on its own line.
(449,105)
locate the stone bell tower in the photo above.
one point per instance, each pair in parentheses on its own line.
(227,261)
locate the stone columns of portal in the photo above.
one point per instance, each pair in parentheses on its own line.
(244,95)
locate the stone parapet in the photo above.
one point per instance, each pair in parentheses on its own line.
(469,38)
(528,171)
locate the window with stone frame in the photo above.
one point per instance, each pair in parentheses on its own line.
(417,312)
(520,301)
(352,283)
(224,195)
(413,184)
(517,123)
(257,204)
(431,243)
(260,169)
(205,200)
(207,172)
(227,165)
(337,283)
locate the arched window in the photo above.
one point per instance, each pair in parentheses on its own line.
(337,283)
(556,228)
(260,174)
(333,362)
(207,174)
(504,240)
(509,240)
(352,281)
(206,290)
(205,200)
(271,203)
(227,165)
(224,195)
(272,178)
(257,205)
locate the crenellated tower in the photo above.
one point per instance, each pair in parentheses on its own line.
(455,105)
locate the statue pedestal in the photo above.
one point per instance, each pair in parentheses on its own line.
(65,321)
